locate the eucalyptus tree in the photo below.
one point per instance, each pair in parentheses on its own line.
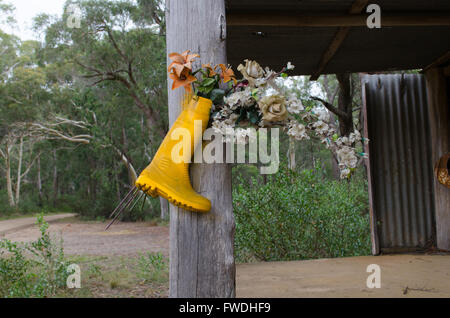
(119,45)
(116,56)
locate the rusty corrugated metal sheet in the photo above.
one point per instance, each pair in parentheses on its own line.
(400,160)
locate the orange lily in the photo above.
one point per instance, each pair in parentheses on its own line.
(211,71)
(181,61)
(185,79)
(227,74)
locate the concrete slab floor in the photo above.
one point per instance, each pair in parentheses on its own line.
(412,275)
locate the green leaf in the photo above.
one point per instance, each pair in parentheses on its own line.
(208,82)
(284,75)
(217,95)
(253,116)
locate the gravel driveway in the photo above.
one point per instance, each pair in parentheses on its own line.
(91,239)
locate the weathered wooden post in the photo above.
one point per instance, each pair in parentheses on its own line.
(201,245)
(439,122)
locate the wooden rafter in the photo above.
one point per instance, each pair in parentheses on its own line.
(439,61)
(289,19)
(338,39)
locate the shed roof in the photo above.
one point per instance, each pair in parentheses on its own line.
(276,31)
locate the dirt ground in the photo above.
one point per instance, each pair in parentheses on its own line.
(401,275)
(91,239)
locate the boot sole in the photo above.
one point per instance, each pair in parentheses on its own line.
(155,190)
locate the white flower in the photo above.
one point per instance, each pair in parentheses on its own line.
(346,157)
(273,108)
(342,141)
(354,136)
(290,66)
(241,98)
(297,131)
(227,131)
(323,114)
(295,106)
(321,127)
(269,72)
(345,173)
(232,100)
(251,71)
(218,127)
(230,121)
(226,112)
(259,82)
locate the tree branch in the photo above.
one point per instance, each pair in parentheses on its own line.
(331,108)
(29,166)
(114,43)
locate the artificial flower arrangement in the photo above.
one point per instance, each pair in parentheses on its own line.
(257,101)
(231,107)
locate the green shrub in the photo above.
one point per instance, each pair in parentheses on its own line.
(35,269)
(153,267)
(300,216)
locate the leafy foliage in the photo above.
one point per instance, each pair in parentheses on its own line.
(300,216)
(40,275)
(153,267)
(124,38)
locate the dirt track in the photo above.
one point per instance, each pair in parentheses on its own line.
(91,239)
(401,275)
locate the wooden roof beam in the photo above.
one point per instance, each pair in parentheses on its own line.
(439,61)
(357,7)
(289,19)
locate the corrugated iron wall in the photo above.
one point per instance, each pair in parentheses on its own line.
(400,161)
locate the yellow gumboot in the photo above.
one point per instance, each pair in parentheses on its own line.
(168,179)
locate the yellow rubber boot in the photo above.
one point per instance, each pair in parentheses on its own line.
(168,179)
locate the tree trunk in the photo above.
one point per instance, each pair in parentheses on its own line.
(334,163)
(19,171)
(55,178)
(335,167)
(201,245)
(39,180)
(345,103)
(164,204)
(8,176)
(291,154)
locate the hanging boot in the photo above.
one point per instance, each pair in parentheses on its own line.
(171,180)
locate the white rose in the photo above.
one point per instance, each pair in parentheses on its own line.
(295,106)
(273,108)
(323,114)
(297,131)
(321,127)
(251,71)
(346,157)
